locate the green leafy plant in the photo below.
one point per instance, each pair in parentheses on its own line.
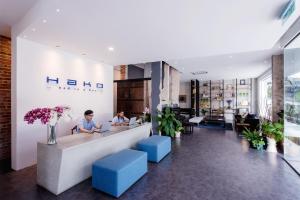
(168,124)
(273,130)
(254,138)
(178,126)
(203,111)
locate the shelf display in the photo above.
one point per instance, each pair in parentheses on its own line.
(229,99)
(217,98)
(229,94)
(195,96)
(243,93)
(205,98)
(224,97)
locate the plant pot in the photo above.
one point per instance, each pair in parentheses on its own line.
(271,145)
(177,134)
(251,145)
(280,147)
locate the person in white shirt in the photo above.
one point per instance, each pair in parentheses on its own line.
(120,120)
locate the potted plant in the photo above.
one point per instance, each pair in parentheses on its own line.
(203,112)
(178,128)
(255,139)
(274,134)
(146,115)
(167,122)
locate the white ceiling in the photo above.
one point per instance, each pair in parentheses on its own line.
(242,65)
(11,11)
(170,30)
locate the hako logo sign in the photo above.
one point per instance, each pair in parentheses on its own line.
(73,84)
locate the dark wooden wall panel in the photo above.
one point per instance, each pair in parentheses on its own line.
(130,97)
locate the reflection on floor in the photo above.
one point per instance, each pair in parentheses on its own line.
(209,164)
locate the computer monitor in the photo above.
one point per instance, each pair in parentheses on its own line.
(105,127)
(132,121)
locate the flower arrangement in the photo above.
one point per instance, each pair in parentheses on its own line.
(48,116)
(147,114)
(146,110)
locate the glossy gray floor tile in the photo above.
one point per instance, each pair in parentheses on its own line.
(209,164)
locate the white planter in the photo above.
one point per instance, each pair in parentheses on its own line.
(177,134)
(271,145)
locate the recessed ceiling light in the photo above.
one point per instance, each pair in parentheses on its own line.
(230,56)
(44,21)
(57,10)
(111,49)
(33,29)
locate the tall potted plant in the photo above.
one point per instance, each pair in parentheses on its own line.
(167,123)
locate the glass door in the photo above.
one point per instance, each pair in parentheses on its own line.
(292,104)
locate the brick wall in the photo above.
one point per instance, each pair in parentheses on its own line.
(277,85)
(123,72)
(5,97)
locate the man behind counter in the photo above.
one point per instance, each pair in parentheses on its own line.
(87,125)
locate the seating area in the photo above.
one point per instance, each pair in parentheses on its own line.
(250,122)
(115,173)
(157,147)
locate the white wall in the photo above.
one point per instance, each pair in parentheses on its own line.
(34,62)
(185,89)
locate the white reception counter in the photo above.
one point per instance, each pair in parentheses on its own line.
(69,162)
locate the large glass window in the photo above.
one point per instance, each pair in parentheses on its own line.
(292,104)
(265,96)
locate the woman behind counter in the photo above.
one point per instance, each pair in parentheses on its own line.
(120,120)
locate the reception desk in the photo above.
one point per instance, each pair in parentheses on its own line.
(69,162)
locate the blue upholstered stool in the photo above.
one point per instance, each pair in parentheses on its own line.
(156,146)
(114,174)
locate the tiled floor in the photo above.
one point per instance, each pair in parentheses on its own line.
(210,164)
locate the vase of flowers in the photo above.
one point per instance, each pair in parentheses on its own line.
(147,115)
(229,104)
(50,117)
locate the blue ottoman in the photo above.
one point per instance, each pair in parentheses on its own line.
(156,147)
(114,174)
